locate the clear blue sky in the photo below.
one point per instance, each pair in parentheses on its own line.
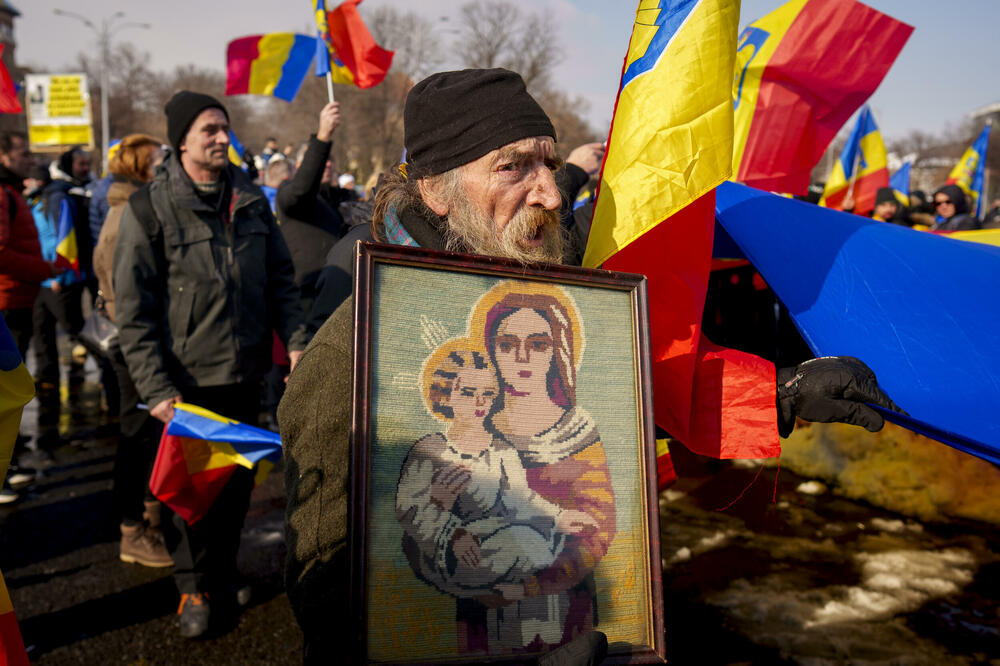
(947,69)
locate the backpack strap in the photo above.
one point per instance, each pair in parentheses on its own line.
(142,207)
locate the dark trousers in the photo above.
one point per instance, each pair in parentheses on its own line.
(20,325)
(137,443)
(205,554)
(64,308)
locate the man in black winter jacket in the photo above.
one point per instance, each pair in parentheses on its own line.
(310,224)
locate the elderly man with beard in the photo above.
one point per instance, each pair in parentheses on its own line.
(480,178)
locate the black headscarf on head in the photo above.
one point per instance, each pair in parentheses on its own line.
(66,161)
(957,196)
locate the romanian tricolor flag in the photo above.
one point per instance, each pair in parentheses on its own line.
(16,390)
(236,150)
(274,64)
(198,453)
(861,169)
(350,55)
(900,183)
(67,254)
(968,173)
(670,146)
(801,71)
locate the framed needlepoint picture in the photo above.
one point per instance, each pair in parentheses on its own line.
(503,472)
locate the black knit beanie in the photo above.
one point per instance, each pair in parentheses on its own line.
(181,111)
(885,195)
(453,118)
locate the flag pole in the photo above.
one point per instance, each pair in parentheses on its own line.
(854,173)
(329,85)
(981,203)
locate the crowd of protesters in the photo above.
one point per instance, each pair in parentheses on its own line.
(949,209)
(217,278)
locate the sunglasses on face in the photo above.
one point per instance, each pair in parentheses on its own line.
(942,203)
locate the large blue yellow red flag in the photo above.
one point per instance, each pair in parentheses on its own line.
(16,390)
(918,308)
(199,451)
(350,55)
(968,173)
(861,169)
(801,71)
(236,150)
(275,64)
(900,183)
(67,252)
(670,146)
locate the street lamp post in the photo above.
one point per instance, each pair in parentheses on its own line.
(104,34)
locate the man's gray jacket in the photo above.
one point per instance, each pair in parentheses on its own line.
(197,298)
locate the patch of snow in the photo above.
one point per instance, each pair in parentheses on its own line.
(812,488)
(716,539)
(898,582)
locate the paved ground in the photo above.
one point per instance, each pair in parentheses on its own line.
(808,579)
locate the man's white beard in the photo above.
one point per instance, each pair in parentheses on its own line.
(469,229)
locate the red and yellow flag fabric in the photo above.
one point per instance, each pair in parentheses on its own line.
(16,389)
(351,55)
(8,93)
(275,64)
(801,72)
(670,146)
(199,451)
(861,169)
(12,652)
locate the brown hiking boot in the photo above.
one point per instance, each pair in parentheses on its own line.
(143,545)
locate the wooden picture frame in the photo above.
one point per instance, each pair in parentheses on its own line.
(503,464)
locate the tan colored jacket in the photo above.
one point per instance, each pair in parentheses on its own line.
(104,253)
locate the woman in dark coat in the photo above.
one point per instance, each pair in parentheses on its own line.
(952,207)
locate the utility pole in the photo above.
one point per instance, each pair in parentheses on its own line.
(104,33)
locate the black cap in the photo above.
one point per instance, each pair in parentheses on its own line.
(453,118)
(885,195)
(181,111)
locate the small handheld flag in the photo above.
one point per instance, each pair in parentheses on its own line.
(275,64)
(970,170)
(67,252)
(199,451)
(900,183)
(861,169)
(351,55)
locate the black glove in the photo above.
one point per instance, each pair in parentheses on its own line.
(832,388)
